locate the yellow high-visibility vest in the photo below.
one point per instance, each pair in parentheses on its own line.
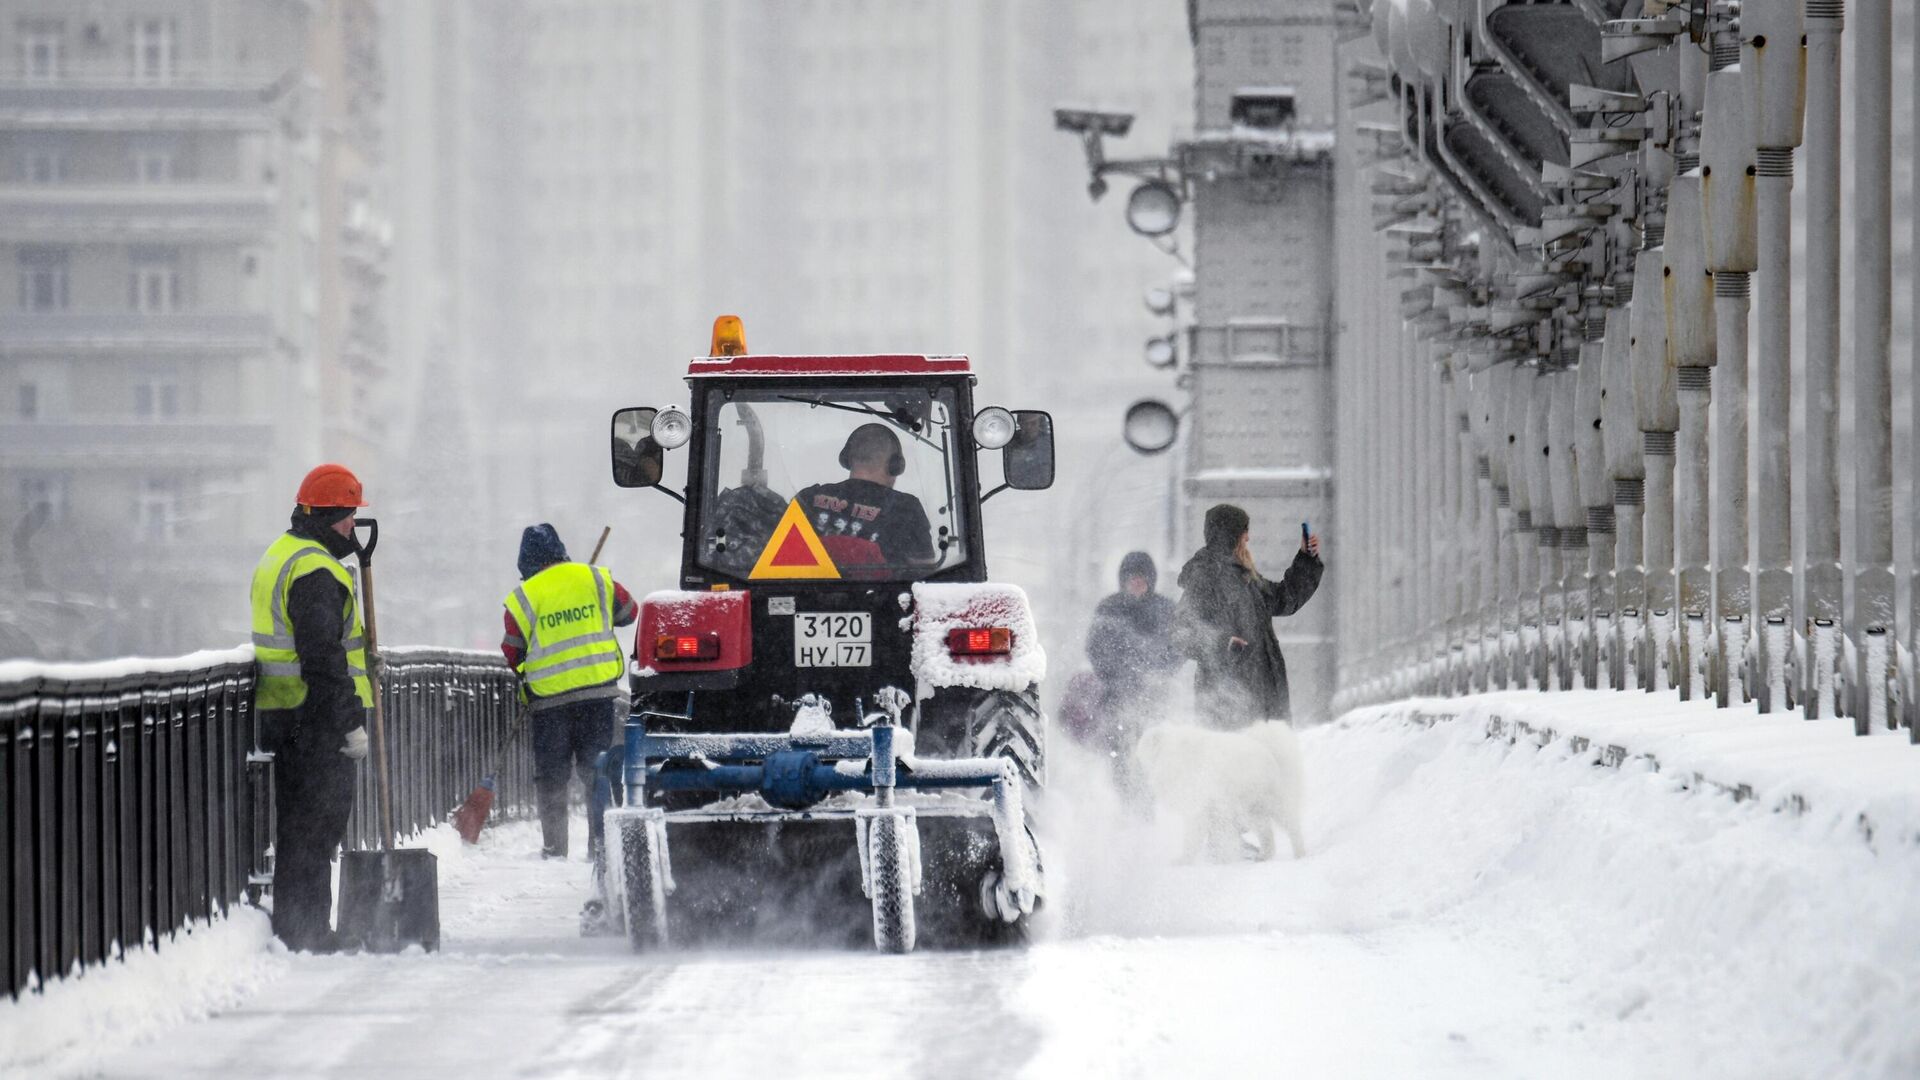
(565,614)
(280,685)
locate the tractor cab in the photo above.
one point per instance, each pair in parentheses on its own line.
(818,488)
(833,591)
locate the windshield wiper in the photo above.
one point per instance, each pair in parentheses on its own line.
(864,410)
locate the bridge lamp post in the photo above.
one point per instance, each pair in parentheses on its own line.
(1873,579)
(1772,60)
(1823,579)
(1727,168)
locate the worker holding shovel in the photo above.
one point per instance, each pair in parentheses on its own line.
(311,696)
(559,637)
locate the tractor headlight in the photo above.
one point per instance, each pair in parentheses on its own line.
(672,428)
(993,427)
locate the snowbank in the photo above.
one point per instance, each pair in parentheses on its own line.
(1782,760)
(1514,911)
(206,967)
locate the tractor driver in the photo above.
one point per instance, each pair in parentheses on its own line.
(865,506)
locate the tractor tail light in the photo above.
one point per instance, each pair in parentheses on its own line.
(980,641)
(671,647)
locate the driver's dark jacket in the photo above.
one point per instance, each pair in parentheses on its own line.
(864,510)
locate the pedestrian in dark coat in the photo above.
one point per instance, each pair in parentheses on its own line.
(1225,621)
(1130,643)
(1130,646)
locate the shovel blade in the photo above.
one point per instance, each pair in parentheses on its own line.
(390,900)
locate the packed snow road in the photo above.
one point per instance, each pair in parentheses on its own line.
(1466,909)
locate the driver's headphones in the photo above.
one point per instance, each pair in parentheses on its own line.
(896,461)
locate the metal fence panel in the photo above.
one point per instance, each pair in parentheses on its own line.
(132,803)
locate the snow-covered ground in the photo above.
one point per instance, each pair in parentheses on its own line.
(1469,907)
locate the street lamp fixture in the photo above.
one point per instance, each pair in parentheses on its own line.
(1161,352)
(1151,426)
(1160,301)
(1153,209)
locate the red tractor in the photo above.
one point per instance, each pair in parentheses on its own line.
(835,714)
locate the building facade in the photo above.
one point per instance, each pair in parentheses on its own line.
(189,221)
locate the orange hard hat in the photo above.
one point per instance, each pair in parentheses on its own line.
(330,485)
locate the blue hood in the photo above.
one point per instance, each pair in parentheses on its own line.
(540,547)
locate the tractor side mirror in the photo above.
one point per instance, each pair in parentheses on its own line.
(638,461)
(1027,461)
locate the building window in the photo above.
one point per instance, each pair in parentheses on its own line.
(156,50)
(29,401)
(153,167)
(43,279)
(44,167)
(158,400)
(44,497)
(156,510)
(153,286)
(42,48)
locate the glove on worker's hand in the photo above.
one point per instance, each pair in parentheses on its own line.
(356,747)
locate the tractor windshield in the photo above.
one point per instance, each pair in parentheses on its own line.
(851,483)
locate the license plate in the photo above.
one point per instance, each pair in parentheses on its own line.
(833,640)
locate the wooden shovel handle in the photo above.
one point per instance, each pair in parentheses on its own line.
(379,704)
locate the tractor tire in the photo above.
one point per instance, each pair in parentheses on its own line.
(643,891)
(890,873)
(1009,724)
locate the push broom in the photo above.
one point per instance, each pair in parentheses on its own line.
(471,816)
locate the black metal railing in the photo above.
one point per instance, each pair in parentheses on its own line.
(133,801)
(448,714)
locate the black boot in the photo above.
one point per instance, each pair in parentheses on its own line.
(553,824)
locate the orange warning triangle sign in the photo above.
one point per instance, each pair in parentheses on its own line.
(795,550)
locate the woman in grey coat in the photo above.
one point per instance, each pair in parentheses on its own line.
(1225,621)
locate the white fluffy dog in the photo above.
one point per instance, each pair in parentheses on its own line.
(1225,783)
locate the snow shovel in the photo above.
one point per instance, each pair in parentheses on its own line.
(390,898)
(471,816)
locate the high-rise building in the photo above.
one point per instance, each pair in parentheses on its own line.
(190,226)
(455,109)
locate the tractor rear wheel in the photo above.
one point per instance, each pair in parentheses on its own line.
(1009,724)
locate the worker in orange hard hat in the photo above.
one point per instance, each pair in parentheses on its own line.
(312,695)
